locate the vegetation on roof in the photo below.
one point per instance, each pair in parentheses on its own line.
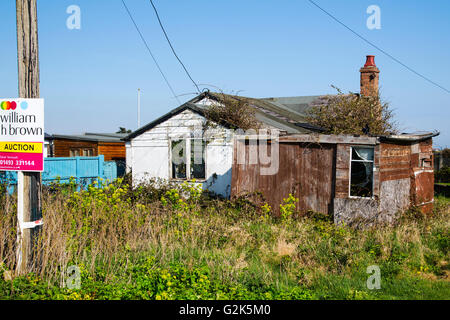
(123,130)
(234,111)
(353,114)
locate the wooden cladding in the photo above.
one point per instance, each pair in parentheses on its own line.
(306,170)
(63,148)
(70,148)
(112,150)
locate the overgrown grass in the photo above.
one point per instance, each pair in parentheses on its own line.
(167,242)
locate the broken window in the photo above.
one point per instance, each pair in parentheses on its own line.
(179,159)
(361,178)
(195,168)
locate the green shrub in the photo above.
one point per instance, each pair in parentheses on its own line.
(289,208)
(442,175)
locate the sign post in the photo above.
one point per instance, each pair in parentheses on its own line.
(28,76)
(22,150)
(22,135)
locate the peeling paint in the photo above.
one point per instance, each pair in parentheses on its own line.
(148,154)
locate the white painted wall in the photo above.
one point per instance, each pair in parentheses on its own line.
(148,156)
(46,149)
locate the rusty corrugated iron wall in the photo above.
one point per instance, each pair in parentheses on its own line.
(306,170)
(422,175)
(317,171)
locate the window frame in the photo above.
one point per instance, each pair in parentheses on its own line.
(74,152)
(89,151)
(81,152)
(188,160)
(350,172)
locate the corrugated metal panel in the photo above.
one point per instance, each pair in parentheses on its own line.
(423,175)
(305,170)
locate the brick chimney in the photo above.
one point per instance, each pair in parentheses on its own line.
(370,76)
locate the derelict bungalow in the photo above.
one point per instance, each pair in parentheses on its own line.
(150,149)
(353,178)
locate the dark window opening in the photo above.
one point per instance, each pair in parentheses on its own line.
(361,179)
(198,147)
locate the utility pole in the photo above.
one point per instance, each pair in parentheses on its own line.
(29,183)
(139,109)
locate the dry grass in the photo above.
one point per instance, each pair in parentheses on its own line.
(107,231)
(8,233)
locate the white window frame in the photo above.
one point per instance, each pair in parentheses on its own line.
(350,172)
(73,152)
(88,152)
(188,160)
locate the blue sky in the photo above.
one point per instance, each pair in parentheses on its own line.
(89,77)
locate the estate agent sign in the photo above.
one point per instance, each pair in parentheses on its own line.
(22,135)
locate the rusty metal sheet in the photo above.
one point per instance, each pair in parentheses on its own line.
(306,170)
(423,189)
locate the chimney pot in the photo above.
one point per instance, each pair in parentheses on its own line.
(370,62)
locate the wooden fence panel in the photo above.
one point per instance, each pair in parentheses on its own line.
(84,170)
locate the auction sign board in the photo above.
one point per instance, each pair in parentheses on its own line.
(22,135)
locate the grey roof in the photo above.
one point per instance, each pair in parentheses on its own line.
(111,135)
(298,106)
(283,113)
(97,137)
(188,105)
(286,113)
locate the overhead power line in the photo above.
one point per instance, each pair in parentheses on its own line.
(378,48)
(150,51)
(171,47)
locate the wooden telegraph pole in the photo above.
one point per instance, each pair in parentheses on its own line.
(29,183)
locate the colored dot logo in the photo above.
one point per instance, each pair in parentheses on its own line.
(24,105)
(8,105)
